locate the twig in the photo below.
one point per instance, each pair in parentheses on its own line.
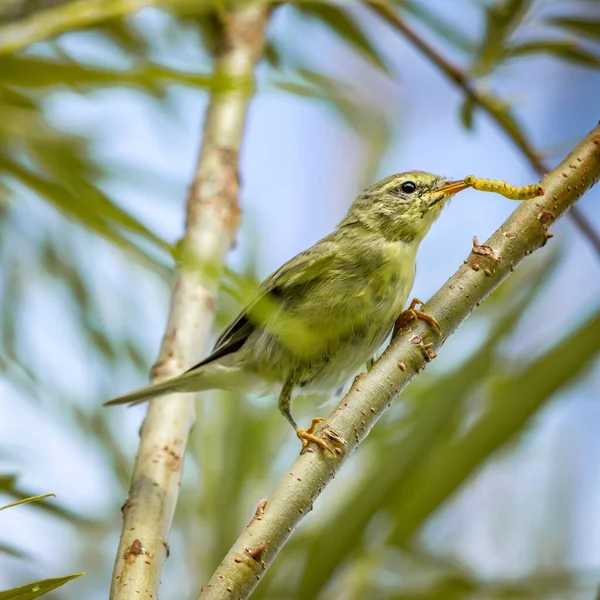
(12,10)
(489,105)
(48,23)
(522,233)
(212,218)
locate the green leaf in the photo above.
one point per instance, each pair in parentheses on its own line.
(502,18)
(583,26)
(12,551)
(273,54)
(502,112)
(466,113)
(100,214)
(32,72)
(346,27)
(27,500)
(563,49)
(513,402)
(439,26)
(37,589)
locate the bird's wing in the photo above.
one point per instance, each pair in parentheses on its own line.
(303,268)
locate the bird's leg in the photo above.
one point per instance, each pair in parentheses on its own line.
(412,314)
(370,363)
(285,406)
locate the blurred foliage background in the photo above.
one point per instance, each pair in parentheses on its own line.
(482,481)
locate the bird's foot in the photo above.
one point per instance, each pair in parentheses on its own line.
(308,435)
(412,314)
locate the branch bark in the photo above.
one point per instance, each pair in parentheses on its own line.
(211,224)
(490,105)
(487,266)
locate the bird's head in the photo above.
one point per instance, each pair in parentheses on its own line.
(403,207)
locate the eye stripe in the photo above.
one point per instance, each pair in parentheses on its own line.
(525,192)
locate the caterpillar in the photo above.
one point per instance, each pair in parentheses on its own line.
(525,192)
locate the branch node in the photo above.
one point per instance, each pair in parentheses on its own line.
(260,511)
(256,552)
(134,550)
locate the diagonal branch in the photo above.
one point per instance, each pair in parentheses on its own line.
(490,105)
(211,224)
(523,232)
(64,17)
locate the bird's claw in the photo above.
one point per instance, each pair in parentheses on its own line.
(412,314)
(308,435)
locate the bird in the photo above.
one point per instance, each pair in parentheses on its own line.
(321,316)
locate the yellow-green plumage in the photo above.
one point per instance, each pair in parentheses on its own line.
(324,313)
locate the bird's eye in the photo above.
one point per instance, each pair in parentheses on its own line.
(408,187)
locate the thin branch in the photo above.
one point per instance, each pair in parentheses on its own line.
(64,16)
(12,10)
(490,105)
(46,24)
(487,266)
(212,219)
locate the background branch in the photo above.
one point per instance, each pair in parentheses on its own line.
(487,266)
(212,218)
(494,108)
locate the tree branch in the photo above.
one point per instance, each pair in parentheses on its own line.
(491,106)
(212,218)
(487,266)
(48,23)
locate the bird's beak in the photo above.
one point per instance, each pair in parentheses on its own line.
(452,187)
(449,188)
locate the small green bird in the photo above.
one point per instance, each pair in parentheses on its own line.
(319,318)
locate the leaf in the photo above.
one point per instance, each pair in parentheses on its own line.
(33,72)
(502,112)
(12,551)
(272,54)
(564,49)
(514,400)
(439,26)
(583,26)
(27,500)
(96,216)
(37,589)
(346,27)
(466,113)
(502,18)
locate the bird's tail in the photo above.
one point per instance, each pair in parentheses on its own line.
(188,382)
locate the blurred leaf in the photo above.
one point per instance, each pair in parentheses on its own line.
(12,551)
(30,72)
(37,589)
(8,485)
(27,500)
(466,113)
(441,27)
(125,35)
(70,170)
(370,124)
(272,54)
(582,26)
(563,49)
(98,213)
(514,399)
(344,25)
(503,113)
(502,18)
